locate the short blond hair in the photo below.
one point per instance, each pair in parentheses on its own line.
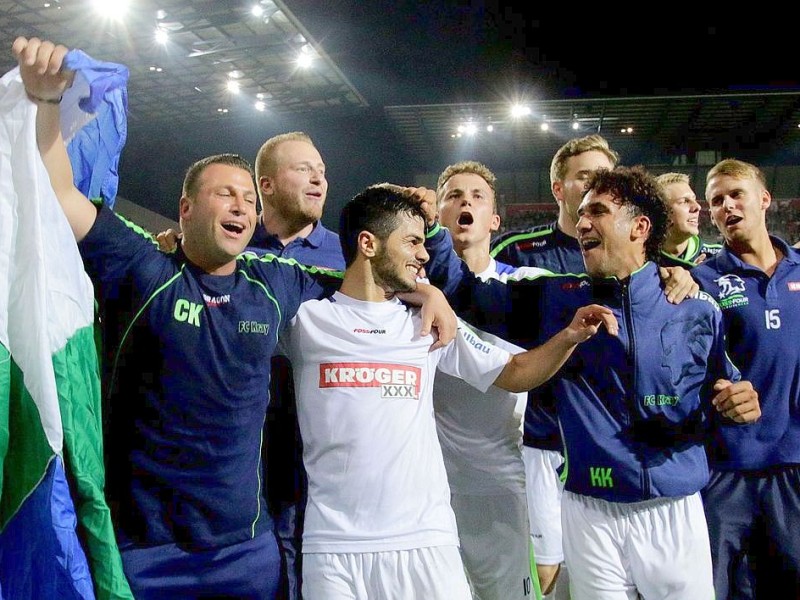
(666,179)
(265,159)
(472,167)
(575,146)
(737,169)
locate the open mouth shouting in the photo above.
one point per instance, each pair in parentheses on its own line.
(234,228)
(465,219)
(588,244)
(732,220)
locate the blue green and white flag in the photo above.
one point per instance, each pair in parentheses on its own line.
(56,537)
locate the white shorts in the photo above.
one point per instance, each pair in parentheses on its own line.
(544,488)
(434,573)
(658,549)
(493,531)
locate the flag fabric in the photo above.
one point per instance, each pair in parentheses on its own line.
(95,148)
(56,536)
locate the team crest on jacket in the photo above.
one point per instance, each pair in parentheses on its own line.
(394,381)
(731,291)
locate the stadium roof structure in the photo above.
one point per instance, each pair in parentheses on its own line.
(221,57)
(207,44)
(675,126)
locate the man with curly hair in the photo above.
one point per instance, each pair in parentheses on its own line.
(633,410)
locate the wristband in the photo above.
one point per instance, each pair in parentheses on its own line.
(44,100)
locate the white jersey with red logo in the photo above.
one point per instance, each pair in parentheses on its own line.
(364,380)
(481,433)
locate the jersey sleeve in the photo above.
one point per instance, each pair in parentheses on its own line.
(502,249)
(472,359)
(291,283)
(116,250)
(720,364)
(444,268)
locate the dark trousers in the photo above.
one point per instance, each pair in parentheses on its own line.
(754,527)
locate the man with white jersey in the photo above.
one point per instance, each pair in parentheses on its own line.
(481,433)
(378,520)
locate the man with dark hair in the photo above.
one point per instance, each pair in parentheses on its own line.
(555,247)
(633,409)
(293,188)
(379,522)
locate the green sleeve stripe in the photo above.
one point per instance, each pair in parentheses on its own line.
(434,229)
(513,239)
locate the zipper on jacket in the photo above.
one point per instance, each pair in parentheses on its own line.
(627,311)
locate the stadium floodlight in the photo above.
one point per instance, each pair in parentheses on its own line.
(233,86)
(162,36)
(305,60)
(113,9)
(520,110)
(544,126)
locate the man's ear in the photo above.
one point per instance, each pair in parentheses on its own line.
(367,244)
(184,207)
(640,227)
(766,199)
(265,185)
(494,224)
(557,187)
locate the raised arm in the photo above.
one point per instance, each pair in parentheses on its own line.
(530,369)
(40,65)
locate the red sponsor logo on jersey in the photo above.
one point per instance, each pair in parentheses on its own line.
(394,381)
(574,285)
(794,286)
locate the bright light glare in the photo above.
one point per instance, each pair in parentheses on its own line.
(490,128)
(260,106)
(576,125)
(257,10)
(113,9)
(304,60)
(544,126)
(520,110)
(471,129)
(162,37)
(233,86)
